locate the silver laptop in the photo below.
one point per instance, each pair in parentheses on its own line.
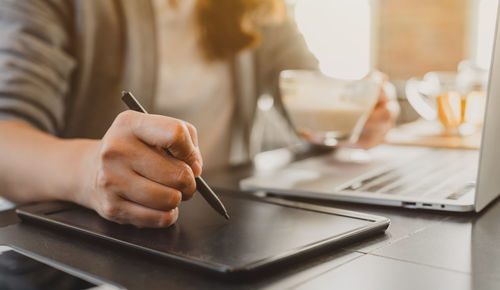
(412,177)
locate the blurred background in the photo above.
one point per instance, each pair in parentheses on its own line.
(403,38)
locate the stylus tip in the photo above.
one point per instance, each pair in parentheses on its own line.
(226,216)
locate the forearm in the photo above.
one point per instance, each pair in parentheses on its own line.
(35,166)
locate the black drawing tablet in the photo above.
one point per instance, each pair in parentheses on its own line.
(259,233)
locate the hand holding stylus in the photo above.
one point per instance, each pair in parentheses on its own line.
(134,182)
(202,187)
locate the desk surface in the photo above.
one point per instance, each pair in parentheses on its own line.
(420,250)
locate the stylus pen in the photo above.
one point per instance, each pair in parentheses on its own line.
(202,187)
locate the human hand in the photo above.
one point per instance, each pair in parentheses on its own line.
(380,121)
(132,180)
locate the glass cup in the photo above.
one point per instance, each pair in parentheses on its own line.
(457,100)
(324,110)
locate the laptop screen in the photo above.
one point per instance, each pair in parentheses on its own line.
(488,183)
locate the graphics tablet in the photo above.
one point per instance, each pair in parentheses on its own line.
(259,233)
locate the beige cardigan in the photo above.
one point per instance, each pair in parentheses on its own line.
(64,63)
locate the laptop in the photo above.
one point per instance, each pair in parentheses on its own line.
(412,177)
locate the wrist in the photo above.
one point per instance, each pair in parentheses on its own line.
(79,158)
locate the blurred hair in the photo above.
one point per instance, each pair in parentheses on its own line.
(226,27)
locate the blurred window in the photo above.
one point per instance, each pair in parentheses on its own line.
(339,34)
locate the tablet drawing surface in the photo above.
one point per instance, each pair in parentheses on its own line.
(259,233)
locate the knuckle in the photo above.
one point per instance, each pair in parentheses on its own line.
(168,199)
(187,196)
(164,221)
(110,211)
(185,178)
(175,198)
(179,131)
(192,128)
(192,155)
(105,179)
(111,149)
(168,218)
(125,117)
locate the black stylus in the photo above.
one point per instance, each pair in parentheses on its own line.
(201,185)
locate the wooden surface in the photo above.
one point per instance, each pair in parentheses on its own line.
(431,133)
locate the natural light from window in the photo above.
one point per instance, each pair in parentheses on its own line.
(487,14)
(339,34)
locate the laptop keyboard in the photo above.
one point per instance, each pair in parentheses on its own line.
(437,174)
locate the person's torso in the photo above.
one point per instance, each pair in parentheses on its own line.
(189,87)
(114,44)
